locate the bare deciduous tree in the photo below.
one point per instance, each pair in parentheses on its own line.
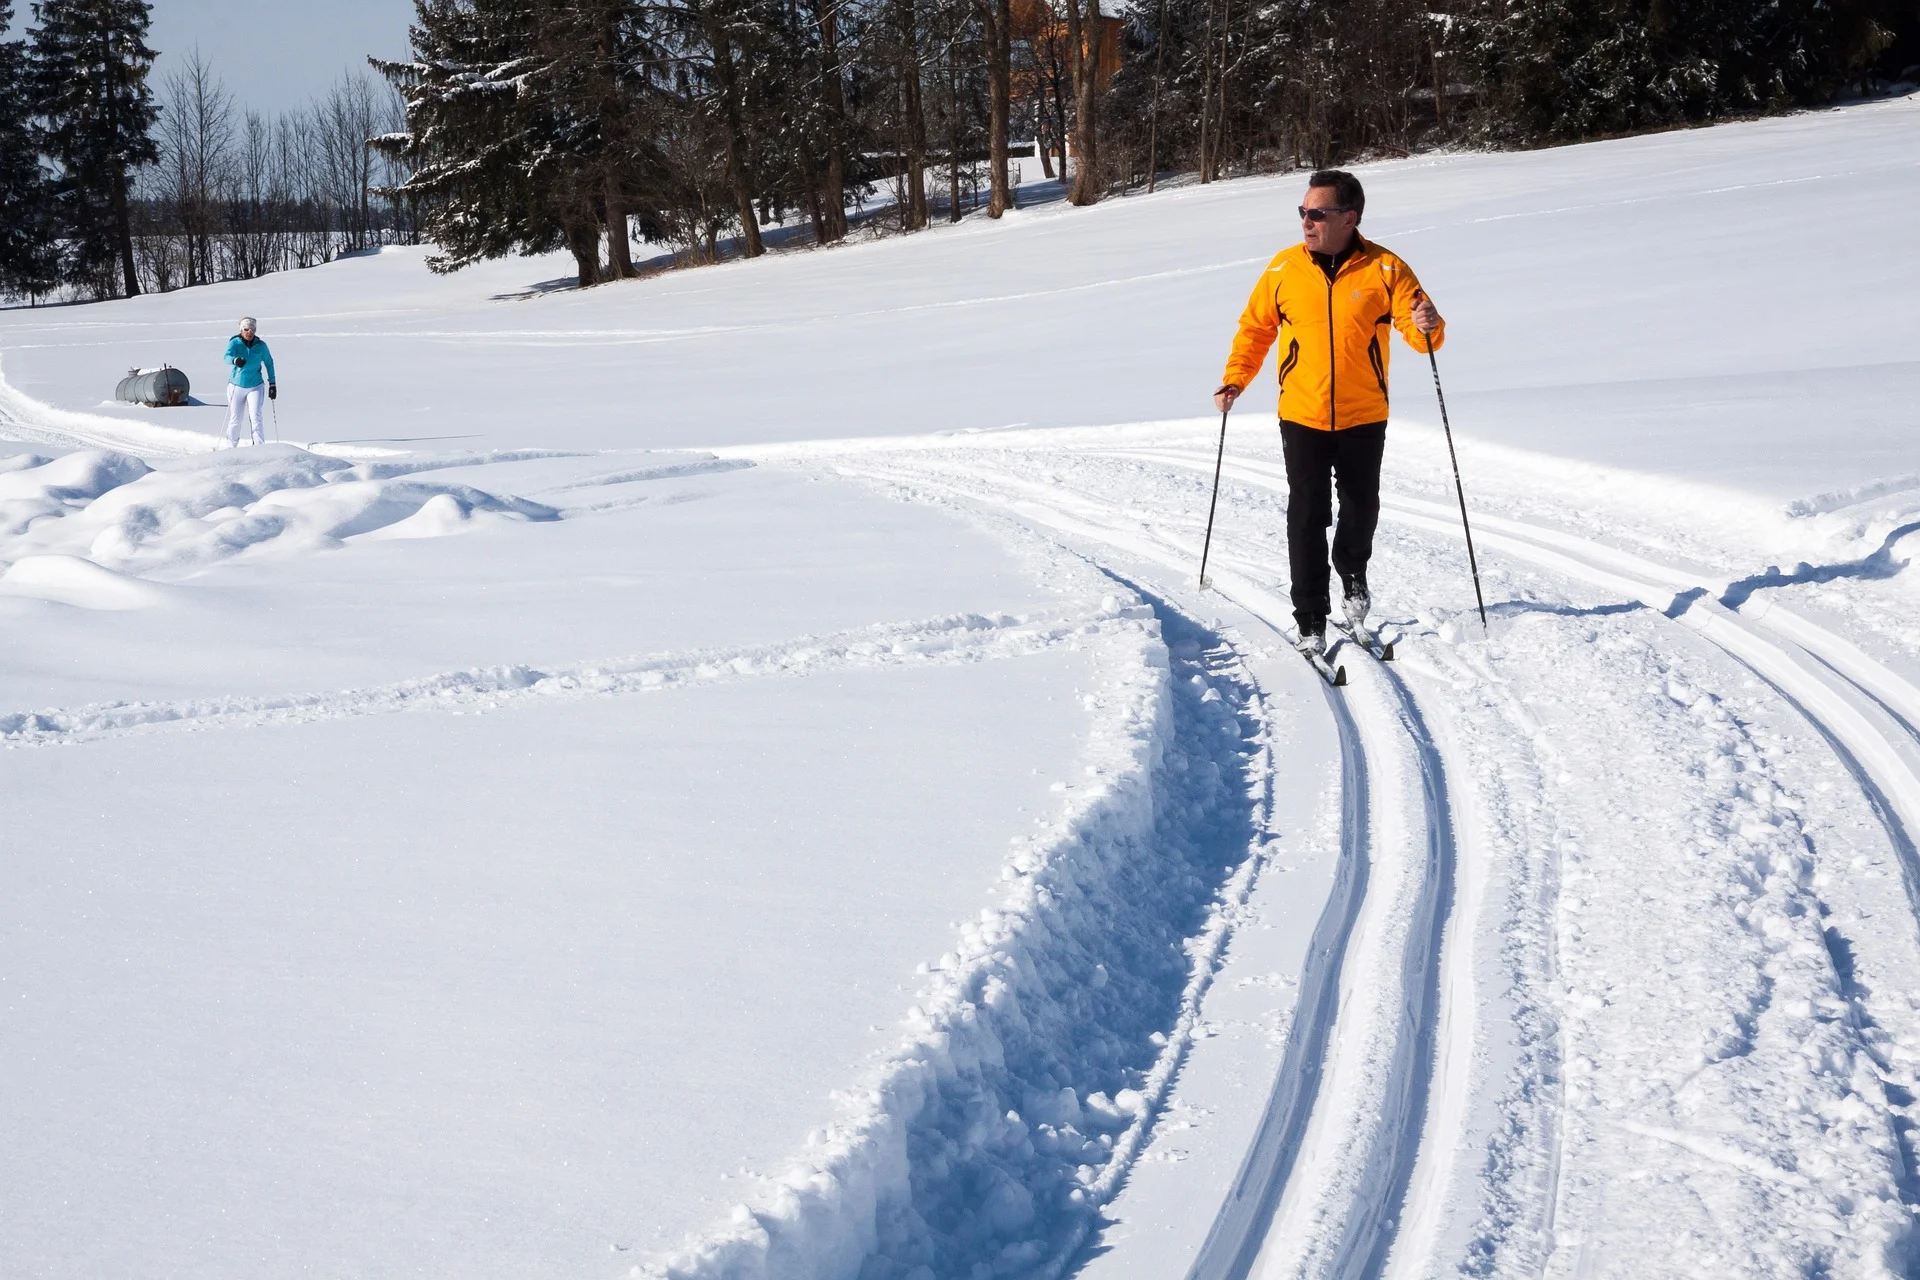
(196,138)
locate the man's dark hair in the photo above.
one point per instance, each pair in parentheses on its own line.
(1346,188)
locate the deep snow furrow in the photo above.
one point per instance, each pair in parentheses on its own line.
(1342,1221)
(1046,1041)
(955,639)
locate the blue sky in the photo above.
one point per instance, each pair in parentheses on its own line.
(272,54)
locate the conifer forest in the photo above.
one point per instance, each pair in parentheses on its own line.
(631,132)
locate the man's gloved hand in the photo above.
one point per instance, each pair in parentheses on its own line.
(239,362)
(273,391)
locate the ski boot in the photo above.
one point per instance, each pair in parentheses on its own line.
(1356,606)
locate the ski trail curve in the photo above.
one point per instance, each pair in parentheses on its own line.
(1329,1167)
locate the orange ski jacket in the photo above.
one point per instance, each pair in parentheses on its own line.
(1333,360)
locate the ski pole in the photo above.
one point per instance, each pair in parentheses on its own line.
(276,419)
(1218,458)
(1458,489)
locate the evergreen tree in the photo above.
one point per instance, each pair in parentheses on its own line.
(88,74)
(27,262)
(527,128)
(1566,69)
(477,137)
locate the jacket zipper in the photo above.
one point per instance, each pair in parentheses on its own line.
(1333,363)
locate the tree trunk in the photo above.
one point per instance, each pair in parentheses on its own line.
(815,214)
(1206,100)
(1220,111)
(1153,129)
(117,189)
(917,212)
(953,117)
(953,134)
(1054,99)
(751,244)
(997,17)
(1060,125)
(123,224)
(904,177)
(1083,35)
(833,185)
(619,247)
(583,240)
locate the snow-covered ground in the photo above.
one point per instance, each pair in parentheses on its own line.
(730,775)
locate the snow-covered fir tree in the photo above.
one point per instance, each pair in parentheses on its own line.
(531,126)
(28,262)
(88,75)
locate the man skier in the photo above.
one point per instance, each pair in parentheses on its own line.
(248,389)
(1335,294)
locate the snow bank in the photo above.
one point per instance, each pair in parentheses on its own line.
(117,512)
(1045,1040)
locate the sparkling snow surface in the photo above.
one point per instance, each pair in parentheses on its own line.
(730,775)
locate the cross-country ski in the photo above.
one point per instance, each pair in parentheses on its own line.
(1365,639)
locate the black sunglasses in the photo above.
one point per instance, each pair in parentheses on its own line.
(1321,215)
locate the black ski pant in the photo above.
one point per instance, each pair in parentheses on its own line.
(1318,463)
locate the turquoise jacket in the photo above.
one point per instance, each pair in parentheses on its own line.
(248,374)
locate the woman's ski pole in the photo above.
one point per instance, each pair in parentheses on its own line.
(1459,491)
(1218,458)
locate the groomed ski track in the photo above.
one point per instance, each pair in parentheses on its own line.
(1334,1156)
(1357,1167)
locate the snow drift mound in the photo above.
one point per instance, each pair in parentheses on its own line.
(81,583)
(118,512)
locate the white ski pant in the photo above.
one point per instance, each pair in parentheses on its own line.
(247,402)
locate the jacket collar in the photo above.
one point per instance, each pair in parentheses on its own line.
(1330,264)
